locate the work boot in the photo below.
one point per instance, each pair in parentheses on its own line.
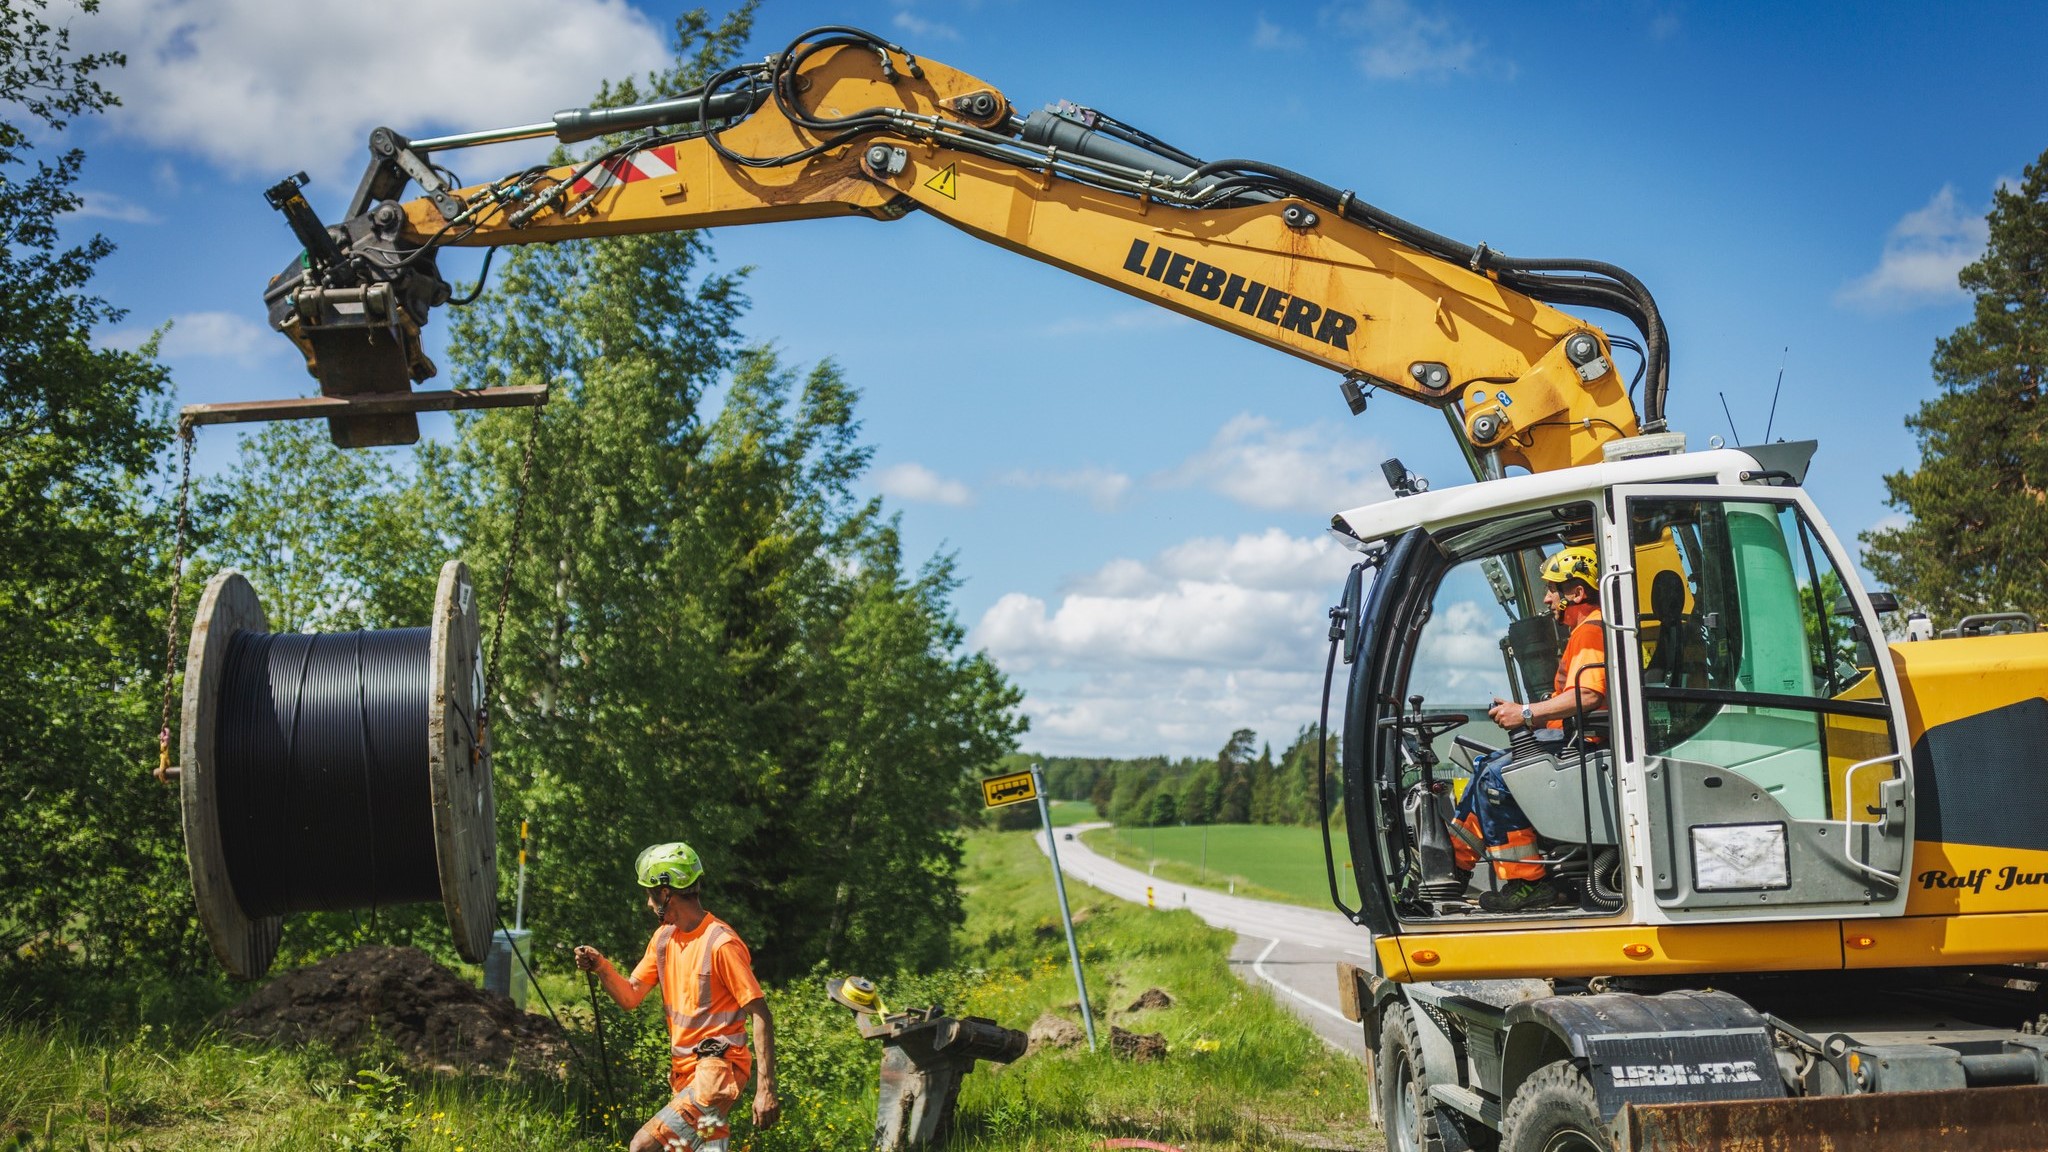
(1521,896)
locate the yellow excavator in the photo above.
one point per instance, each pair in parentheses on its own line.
(1800,873)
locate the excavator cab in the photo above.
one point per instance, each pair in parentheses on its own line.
(1747,764)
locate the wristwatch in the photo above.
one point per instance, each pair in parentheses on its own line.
(1528,717)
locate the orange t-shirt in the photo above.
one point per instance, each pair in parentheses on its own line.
(677,960)
(1586,648)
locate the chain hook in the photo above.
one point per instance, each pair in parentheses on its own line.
(484,709)
(165,773)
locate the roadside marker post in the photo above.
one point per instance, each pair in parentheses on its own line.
(1015,788)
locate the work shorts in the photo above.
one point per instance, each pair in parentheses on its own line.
(698,1116)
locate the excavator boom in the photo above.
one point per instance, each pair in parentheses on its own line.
(843,123)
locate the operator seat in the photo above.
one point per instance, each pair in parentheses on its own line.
(1667,610)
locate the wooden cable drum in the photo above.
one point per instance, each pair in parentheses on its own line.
(334,771)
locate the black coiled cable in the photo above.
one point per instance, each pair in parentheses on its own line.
(323,792)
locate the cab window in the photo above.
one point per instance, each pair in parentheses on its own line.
(1745,665)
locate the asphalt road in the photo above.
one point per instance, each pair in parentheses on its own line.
(1288,948)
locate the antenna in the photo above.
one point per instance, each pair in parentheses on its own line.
(1730,415)
(1774,393)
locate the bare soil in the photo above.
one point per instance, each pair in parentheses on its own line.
(402,998)
(1141,1047)
(1151,998)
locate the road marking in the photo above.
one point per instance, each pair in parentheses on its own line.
(1259,968)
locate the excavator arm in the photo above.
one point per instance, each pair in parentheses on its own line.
(843,123)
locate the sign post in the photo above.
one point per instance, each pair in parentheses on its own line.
(1015,788)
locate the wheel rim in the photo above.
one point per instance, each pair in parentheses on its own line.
(1407,1108)
(1571,1140)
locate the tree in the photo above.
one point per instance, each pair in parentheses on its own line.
(1977,540)
(710,639)
(1297,777)
(1200,796)
(90,865)
(1163,808)
(333,540)
(1103,793)
(1234,767)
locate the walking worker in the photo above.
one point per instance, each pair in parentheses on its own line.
(708,991)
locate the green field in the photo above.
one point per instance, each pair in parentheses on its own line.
(1069,812)
(1266,861)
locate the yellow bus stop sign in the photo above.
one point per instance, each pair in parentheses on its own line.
(1014,788)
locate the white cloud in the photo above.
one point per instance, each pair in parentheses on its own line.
(1251,602)
(1402,42)
(1104,488)
(912,24)
(205,335)
(1189,712)
(112,206)
(264,88)
(1922,254)
(1458,661)
(1172,653)
(1270,37)
(919,484)
(1317,468)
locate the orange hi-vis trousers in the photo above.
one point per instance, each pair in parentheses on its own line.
(1510,858)
(698,1116)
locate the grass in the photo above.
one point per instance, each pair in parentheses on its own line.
(1240,1071)
(1066,813)
(64,1090)
(1264,861)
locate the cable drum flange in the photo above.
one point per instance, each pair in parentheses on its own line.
(335,771)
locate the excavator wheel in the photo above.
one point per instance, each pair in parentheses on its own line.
(1554,1111)
(1411,1120)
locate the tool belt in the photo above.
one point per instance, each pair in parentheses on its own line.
(715,1048)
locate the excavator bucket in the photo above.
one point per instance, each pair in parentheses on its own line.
(2009,1119)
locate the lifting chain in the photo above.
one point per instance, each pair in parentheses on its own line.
(512,542)
(164,772)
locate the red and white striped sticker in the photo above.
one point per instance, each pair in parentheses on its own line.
(651,164)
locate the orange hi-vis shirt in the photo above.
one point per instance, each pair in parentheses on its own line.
(706,975)
(1584,651)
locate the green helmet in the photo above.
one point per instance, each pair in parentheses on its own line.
(674,864)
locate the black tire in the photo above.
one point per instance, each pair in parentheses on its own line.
(1405,1112)
(1554,1111)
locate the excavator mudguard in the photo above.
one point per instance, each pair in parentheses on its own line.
(2009,1119)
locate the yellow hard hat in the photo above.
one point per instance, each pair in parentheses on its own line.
(1578,562)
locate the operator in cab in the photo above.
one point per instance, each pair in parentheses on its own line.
(1490,828)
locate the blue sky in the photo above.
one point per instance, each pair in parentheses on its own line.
(1137,501)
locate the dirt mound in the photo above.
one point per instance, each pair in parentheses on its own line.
(1151,998)
(434,1018)
(1134,1046)
(1050,1031)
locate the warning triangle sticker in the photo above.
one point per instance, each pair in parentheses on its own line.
(945,183)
